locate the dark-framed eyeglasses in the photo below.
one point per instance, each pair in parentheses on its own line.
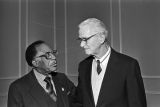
(86,39)
(49,55)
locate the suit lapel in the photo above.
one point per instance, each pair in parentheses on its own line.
(62,98)
(88,68)
(37,92)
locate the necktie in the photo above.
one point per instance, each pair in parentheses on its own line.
(99,69)
(49,87)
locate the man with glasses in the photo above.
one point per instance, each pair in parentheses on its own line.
(106,78)
(43,86)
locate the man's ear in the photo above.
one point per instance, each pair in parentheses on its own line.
(35,63)
(102,38)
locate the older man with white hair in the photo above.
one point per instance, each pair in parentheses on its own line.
(107,78)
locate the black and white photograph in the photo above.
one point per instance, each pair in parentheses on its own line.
(80,53)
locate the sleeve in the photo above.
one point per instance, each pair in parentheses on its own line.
(74,93)
(135,87)
(71,91)
(78,95)
(14,97)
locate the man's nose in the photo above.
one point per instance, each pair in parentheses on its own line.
(53,57)
(83,43)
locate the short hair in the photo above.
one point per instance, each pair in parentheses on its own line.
(31,51)
(96,23)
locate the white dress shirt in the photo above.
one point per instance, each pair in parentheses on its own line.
(40,78)
(96,79)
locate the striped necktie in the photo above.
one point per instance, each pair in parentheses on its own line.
(49,87)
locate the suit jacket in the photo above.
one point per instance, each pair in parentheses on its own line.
(122,85)
(27,92)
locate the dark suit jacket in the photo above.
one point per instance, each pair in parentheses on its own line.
(122,85)
(27,92)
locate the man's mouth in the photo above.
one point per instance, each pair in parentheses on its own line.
(54,65)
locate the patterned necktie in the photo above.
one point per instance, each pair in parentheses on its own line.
(49,87)
(99,69)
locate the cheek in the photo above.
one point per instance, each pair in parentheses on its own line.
(40,63)
(43,64)
(94,45)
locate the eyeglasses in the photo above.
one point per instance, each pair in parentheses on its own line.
(86,39)
(49,55)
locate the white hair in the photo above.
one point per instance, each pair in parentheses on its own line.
(97,25)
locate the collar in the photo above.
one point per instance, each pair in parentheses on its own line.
(40,77)
(105,55)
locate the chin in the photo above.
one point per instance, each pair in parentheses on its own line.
(54,70)
(88,53)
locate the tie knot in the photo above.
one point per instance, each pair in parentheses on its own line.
(98,62)
(47,79)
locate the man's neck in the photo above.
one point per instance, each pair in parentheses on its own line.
(102,51)
(41,71)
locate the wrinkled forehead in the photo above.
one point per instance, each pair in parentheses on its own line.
(89,29)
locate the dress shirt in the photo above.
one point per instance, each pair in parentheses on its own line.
(40,78)
(96,79)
